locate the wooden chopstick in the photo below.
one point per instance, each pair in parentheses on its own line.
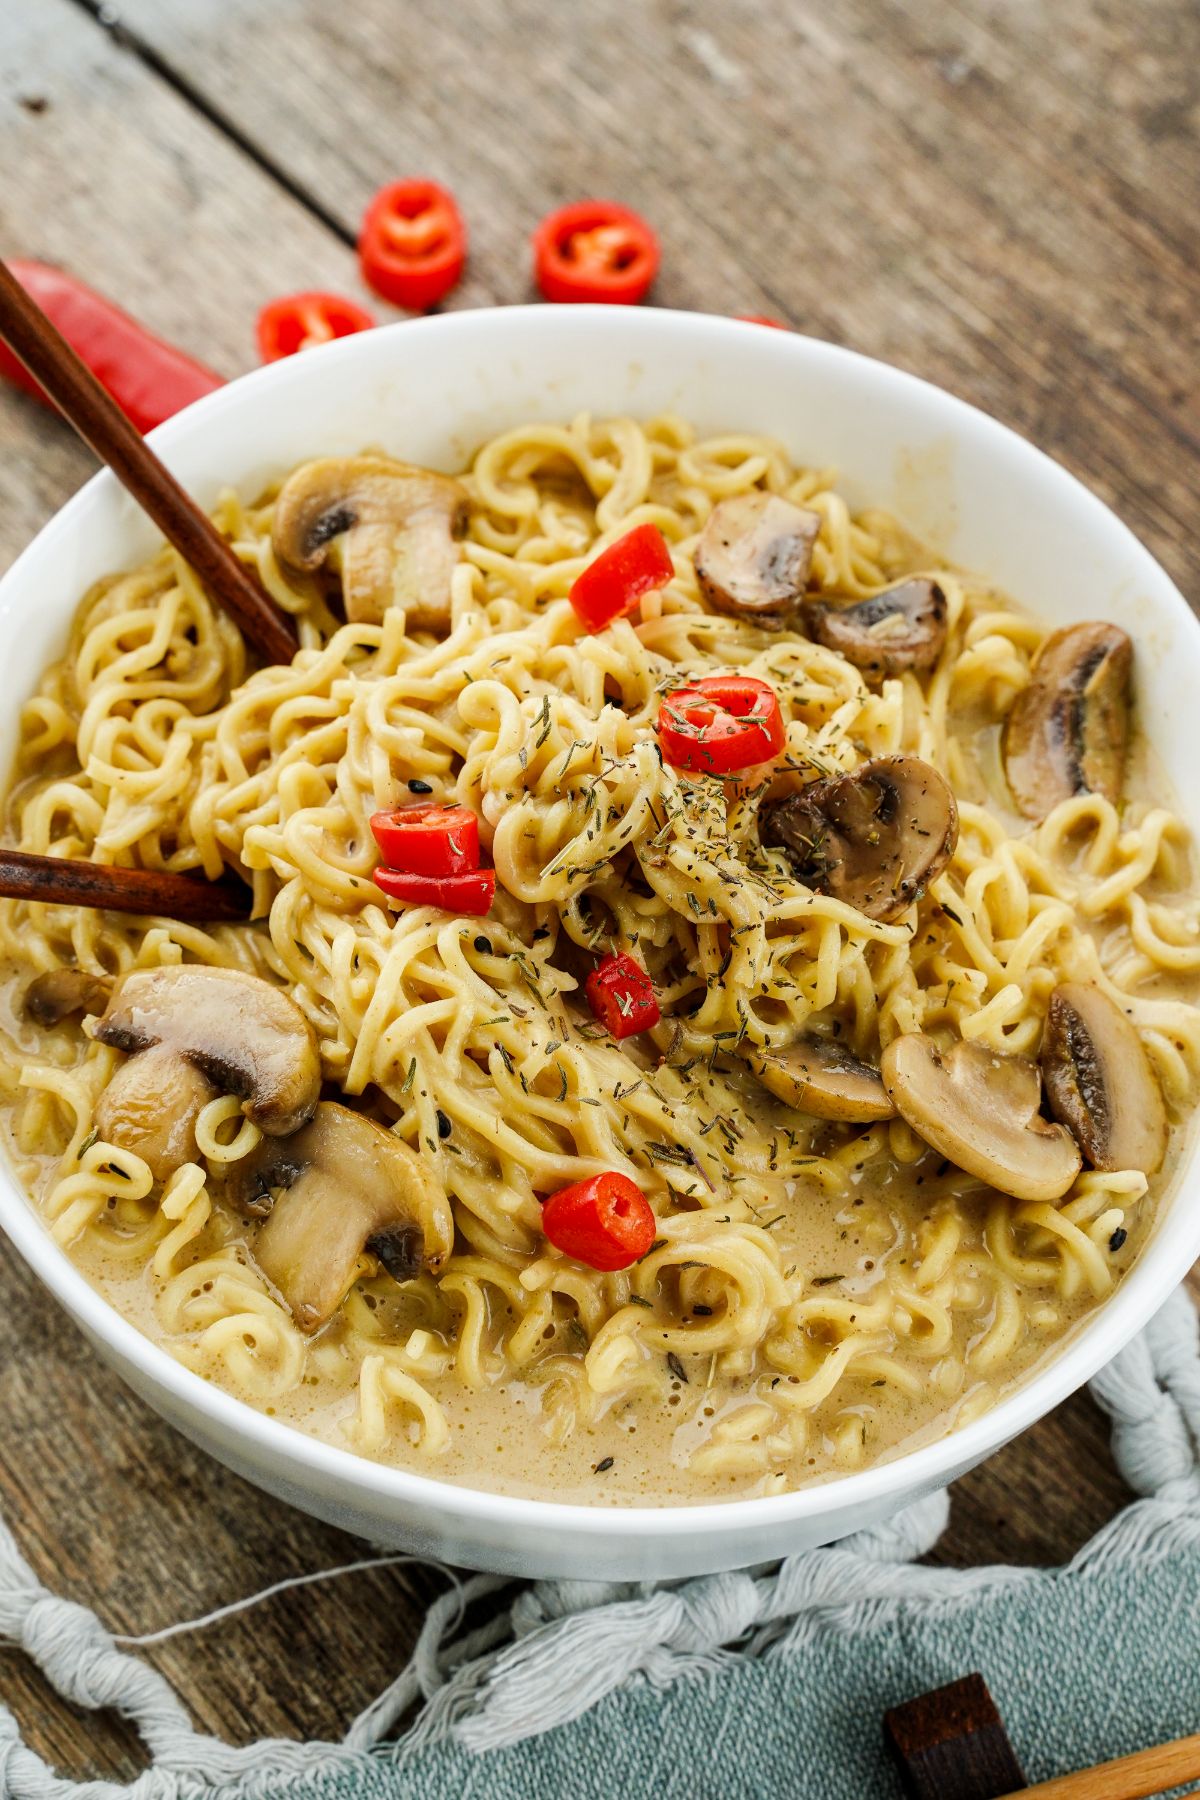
(62,882)
(101,424)
(1127,1778)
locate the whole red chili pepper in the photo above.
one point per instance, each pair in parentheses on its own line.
(721,724)
(606,1222)
(428,839)
(148,378)
(611,586)
(621,995)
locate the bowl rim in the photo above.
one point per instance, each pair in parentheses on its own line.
(1171,1248)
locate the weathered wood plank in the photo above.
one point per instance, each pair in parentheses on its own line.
(1003,204)
(1000,198)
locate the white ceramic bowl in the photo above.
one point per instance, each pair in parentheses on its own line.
(432,391)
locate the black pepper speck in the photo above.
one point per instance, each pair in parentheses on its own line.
(443,1124)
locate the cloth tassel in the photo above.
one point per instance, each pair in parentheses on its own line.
(561,1646)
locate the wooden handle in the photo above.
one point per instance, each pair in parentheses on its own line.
(61,882)
(101,424)
(1127,1778)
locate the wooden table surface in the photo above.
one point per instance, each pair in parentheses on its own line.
(999,196)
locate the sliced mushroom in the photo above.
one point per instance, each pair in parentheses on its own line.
(389,527)
(151,1106)
(1068,731)
(874,838)
(247,1037)
(1099,1081)
(817,1075)
(902,628)
(980,1110)
(349,1187)
(58,993)
(755,553)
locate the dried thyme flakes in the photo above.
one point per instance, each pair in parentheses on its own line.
(604,1465)
(676,1367)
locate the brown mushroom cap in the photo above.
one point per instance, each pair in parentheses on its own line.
(902,628)
(755,553)
(151,1106)
(874,838)
(979,1109)
(1099,1081)
(817,1075)
(393,529)
(247,1037)
(58,993)
(1068,731)
(349,1187)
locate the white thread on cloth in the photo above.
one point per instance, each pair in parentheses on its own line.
(560,1646)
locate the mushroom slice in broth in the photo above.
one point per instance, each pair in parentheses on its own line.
(151,1106)
(874,838)
(979,1109)
(59,993)
(902,628)
(1068,732)
(755,554)
(390,528)
(349,1188)
(1099,1081)
(820,1076)
(247,1037)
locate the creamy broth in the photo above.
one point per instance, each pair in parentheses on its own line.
(821,1293)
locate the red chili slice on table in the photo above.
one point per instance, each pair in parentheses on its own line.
(611,586)
(621,995)
(720,724)
(428,839)
(595,250)
(296,322)
(762,319)
(413,244)
(470,894)
(147,377)
(606,1222)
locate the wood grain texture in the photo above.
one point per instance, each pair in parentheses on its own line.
(999,197)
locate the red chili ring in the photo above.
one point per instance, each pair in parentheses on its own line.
(412,245)
(720,725)
(296,322)
(428,839)
(595,250)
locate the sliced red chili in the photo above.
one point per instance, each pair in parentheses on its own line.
(302,321)
(621,995)
(762,319)
(470,894)
(413,244)
(148,378)
(611,586)
(720,724)
(595,250)
(606,1222)
(428,839)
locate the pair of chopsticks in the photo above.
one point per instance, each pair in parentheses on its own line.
(103,426)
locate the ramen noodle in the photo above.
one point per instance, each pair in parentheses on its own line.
(820,1291)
